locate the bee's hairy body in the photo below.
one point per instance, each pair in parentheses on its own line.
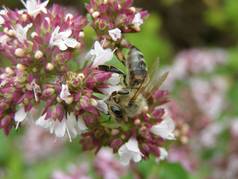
(130,102)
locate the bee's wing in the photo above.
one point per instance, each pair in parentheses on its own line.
(155,79)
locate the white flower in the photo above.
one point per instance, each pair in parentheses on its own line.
(62,39)
(100,55)
(20,116)
(137,21)
(21,32)
(69,125)
(130,151)
(34,7)
(64,93)
(163,153)
(115,34)
(164,129)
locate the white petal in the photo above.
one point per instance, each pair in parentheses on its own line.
(102,106)
(137,20)
(130,150)
(65,34)
(137,157)
(42,122)
(20,115)
(132,145)
(124,154)
(115,79)
(115,34)
(110,89)
(60,128)
(70,42)
(163,153)
(64,93)
(164,129)
(82,126)
(97,47)
(62,46)
(71,124)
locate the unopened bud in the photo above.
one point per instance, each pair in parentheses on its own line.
(59,100)
(137,28)
(38,54)
(69,100)
(5,30)
(91,10)
(34,69)
(9,71)
(34,34)
(184,139)
(119,6)
(115,132)
(11,32)
(81,76)
(21,67)
(19,52)
(81,34)
(95,14)
(93,102)
(133,9)
(24,17)
(185,128)
(78,45)
(137,122)
(49,66)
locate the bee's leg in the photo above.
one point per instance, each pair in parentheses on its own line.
(113,69)
(108,68)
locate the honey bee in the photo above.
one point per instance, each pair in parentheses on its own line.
(131,100)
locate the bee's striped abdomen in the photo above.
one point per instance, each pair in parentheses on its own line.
(137,69)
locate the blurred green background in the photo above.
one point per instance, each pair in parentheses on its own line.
(173,25)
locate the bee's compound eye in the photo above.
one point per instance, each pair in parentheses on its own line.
(117,111)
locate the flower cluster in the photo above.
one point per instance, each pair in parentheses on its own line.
(115,16)
(51,83)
